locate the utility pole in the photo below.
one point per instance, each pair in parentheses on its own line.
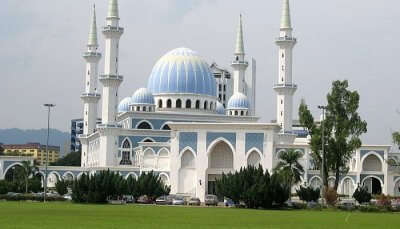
(47,149)
(323,108)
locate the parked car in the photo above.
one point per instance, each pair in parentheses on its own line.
(211,200)
(194,201)
(229,202)
(178,200)
(128,199)
(164,200)
(144,200)
(67,197)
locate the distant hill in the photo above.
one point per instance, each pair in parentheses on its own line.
(19,136)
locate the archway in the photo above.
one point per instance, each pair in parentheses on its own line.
(126,153)
(163,159)
(373,185)
(13,172)
(347,187)
(254,159)
(68,176)
(372,163)
(221,156)
(164,178)
(197,104)
(316,182)
(396,190)
(187,173)
(188,103)
(169,103)
(178,103)
(166,127)
(52,179)
(148,158)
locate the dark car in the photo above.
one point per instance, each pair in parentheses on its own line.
(164,200)
(144,200)
(211,200)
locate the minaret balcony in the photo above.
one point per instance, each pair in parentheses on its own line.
(290,86)
(113,30)
(237,62)
(286,40)
(92,54)
(111,77)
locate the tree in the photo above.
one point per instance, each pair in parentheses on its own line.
(61,187)
(343,127)
(28,169)
(290,168)
(1,150)
(71,159)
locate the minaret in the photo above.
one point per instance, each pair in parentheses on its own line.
(111,78)
(239,64)
(90,97)
(285,88)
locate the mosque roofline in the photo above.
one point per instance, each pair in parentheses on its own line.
(202,125)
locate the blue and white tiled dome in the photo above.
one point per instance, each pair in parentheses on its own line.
(142,97)
(238,101)
(220,109)
(123,106)
(182,71)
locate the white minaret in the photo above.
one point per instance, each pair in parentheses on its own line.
(90,97)
(285,88)
(239,64)
(111,78)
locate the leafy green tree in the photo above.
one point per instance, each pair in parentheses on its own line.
(4,186)
(28,169)
(308,193)
(362,195)
(396,138)
(290,167)
(343,127)
(71,159)
(35,184)
(62,187)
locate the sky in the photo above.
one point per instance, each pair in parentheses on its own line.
(42,41)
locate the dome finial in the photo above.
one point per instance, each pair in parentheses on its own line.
(239,38)
(285,17)
(93,29)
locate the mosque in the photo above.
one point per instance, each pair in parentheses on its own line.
(195,121)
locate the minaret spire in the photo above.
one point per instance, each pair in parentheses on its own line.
(113,11)
(239,38)
(285,88)
(93,30)
(285,17)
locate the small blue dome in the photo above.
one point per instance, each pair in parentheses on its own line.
(238,101)
(142,97)
(123,106)
(220,108)
(182,71)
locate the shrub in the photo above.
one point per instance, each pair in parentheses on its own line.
(31,197)
(35,184)
(4,186)
(61,187)
(308,193)
(331,196)
(384,201)
(362,195)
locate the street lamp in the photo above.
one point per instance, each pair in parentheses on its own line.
(323,108)
(49,106)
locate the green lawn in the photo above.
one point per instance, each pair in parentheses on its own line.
(66,215)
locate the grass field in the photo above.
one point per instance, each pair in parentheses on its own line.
(73,216)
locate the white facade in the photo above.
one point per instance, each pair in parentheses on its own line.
(175,127)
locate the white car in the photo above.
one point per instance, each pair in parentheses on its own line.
(178,200)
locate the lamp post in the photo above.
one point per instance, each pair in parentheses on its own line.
(49,106)
(323,108)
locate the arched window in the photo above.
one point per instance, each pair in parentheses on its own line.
(188,103)
(126,144)
(160,103)
(144,125)
(138,108)
(166,127)
(169,103)
(241,113)
(144,109)
(211,105)
(148,140)
(205,105)
(236,113)
(197,104)
(179,103)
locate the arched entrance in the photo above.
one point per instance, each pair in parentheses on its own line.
(373,185)
(14,173)
(220,160)
(187,173)
(316,182)
(254,159)
(164,178)
(396,190)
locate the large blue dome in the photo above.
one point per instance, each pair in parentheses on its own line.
(123,106)
(182,71)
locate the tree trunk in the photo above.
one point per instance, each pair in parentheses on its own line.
(337,175)
(26,185)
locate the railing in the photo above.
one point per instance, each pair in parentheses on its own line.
(240,62)
(85,54)
(90,95)
(110,28)
(286,38)
(286,85)
(117,77)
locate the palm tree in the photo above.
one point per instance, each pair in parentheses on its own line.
(28,169)
(290,167)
